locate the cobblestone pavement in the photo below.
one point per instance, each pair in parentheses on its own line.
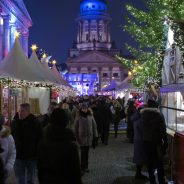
(112,164)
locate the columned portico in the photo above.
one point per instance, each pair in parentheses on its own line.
(6,35)
(13,17)
(1,38)
(25,37)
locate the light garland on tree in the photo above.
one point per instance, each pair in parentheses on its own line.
(146,28)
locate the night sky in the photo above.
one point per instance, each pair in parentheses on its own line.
(54,26)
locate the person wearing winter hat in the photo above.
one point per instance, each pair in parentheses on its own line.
(8,151)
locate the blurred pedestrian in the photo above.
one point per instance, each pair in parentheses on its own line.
(131,110)
(139,157)
(7,151)
(86,131)
(58,158)
(26,131)
(154,140)
(116,110)
(46,117)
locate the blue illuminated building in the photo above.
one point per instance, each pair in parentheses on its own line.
(83,83)
(93,51)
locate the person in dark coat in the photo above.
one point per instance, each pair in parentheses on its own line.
(96,114)
(105,119)
(46,117)
(131,110)
(2,169)
(154,140)
(116,110)
(26,131)
(139,157)
(58,158)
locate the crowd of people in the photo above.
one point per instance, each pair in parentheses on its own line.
(55,147)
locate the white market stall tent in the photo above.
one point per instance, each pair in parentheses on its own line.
(17,66)
(40,67)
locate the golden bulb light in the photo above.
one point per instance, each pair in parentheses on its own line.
(44,56)
(129,73)
(54,62)
(135,62)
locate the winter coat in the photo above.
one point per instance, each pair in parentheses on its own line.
(2,172)
(27,134)
(117,114)
(8,145)
(139,154)
(85,129)
(58,158)
(153,126)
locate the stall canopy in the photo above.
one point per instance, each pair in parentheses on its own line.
(110,87)
(16,65)
(125,85)
(58,77)
(41,69)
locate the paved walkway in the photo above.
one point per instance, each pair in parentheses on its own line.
(112,164)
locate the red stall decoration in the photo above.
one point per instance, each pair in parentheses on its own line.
(178,158)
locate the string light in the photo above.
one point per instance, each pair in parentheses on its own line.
(147,29)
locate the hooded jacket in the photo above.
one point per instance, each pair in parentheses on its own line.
(9,152)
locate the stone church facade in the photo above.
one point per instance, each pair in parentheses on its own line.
(93,52)
(13,17)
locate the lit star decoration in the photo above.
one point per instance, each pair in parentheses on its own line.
(17,34)
(34,47)
(146,27)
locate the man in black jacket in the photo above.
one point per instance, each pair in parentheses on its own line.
(154,140)
(27,132)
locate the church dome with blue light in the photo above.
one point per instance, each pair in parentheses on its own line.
(93,5)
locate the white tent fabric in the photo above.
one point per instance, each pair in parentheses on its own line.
(125,85)
(39,67)
(57,75)
(48,70)
(43,94)
(17,65)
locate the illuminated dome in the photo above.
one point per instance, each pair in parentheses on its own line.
(93,6)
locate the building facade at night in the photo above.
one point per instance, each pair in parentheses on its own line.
(94,52)
(13,17)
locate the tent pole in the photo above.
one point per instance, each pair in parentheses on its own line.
(9,103)
(1,98)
